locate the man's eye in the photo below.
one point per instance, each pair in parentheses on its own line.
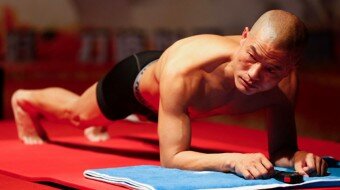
(251,57)
(270,70)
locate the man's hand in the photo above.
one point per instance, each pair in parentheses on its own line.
(309,164)
(252,166)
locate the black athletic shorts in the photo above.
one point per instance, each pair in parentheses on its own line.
(115,93)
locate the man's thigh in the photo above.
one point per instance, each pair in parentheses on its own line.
(86,110)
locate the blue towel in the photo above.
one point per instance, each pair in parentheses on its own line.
(147,177)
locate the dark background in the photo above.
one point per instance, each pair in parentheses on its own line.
(72,43)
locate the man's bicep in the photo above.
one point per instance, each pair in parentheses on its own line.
(174,134)
(289,86)
(281,130)
(173,122)
(281,114)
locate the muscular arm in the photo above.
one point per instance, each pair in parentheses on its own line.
(281,133)
(174,130)
(281,122)
(283,148)
(176,93)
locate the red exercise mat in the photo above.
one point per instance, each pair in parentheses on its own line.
(64,159)
(12,183)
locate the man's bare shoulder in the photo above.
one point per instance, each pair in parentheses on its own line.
(195,51)
(188,58)
(209,40)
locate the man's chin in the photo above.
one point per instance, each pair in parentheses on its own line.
(247,91)
(244,88)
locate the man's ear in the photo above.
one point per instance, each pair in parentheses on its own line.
(245,34)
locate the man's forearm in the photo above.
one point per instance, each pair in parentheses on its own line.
(191,160)
(282,135)
(283,158)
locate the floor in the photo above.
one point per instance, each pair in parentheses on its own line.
(60,162)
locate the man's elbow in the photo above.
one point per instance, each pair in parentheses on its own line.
(166,164)
(168,161)
(283,157)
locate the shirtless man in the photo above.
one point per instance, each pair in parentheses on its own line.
(197,76)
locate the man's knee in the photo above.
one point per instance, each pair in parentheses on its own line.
(84,119)
(78,118)
(20,97)
(84,112)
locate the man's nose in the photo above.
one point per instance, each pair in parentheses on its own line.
(254,71)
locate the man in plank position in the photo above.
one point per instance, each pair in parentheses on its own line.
(197,76)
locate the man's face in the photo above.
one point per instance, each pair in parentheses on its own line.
(259,66)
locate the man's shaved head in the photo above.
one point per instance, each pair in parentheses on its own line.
(285,30)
